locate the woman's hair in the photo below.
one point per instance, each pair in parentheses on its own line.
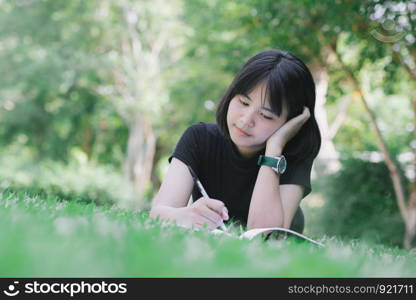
(288,82)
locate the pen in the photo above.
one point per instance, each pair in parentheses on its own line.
(203,192)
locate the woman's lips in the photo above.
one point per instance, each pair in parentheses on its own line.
(241,132)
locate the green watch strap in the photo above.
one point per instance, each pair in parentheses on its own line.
(278,164)
(267,161)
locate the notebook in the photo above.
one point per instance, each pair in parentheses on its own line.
(256,231)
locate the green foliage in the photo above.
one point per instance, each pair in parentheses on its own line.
(49,96)
(77,180)
(360,203)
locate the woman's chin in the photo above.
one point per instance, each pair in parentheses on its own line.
(239,142)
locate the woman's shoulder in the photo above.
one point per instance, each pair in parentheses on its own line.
(205,128)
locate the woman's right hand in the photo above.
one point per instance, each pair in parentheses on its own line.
(204,211)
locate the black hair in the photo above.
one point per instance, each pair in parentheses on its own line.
(288,82)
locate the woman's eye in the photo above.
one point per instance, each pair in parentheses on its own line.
(267,117)
(242,102)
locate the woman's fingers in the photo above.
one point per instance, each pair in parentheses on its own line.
(209,211)
(217,206)
(210,215)
(306,114)
(302,118)
(212,210)
(295,124)
(225,214)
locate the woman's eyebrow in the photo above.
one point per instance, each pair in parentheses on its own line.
(263,107)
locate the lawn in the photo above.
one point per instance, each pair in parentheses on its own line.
(48,237)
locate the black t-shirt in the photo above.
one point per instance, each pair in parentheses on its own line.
(229,177)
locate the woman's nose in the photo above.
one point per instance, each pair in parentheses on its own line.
(246,120)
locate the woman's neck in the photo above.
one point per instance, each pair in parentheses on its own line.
(249,152)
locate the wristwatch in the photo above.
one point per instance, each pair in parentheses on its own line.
(278,163)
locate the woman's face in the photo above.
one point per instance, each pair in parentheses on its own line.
(250,123)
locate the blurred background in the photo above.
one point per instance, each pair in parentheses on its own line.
(94,96)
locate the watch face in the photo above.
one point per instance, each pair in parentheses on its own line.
(282,165)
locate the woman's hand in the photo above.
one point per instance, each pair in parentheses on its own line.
(204,211)
(282,136)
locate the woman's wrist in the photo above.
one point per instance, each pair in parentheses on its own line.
(273,149)
(273,152)
(165,212)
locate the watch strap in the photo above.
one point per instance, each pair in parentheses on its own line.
(278,164)
(267,161)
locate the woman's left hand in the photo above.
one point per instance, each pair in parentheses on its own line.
(279,139)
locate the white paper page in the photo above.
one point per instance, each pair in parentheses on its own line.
(253,232)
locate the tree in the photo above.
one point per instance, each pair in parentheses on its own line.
(144,39)
(49,50)
(71,57)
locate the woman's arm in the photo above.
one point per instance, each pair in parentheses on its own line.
(266,208)
(171,200)
(176,187)
(272,204)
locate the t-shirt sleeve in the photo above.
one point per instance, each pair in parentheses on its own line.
(188,148)
(298,173)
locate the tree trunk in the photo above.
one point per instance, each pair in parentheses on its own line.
(409,237)
(140,154)
(87,140)
(156,182)
(407,211)
(410,234)
(327,161)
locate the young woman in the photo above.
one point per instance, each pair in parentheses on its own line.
(255,162)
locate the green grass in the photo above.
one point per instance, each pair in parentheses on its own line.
(45,237)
